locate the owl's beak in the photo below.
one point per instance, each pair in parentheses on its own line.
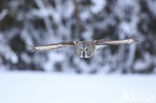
(83,54)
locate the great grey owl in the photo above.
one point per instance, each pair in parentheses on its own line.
(84,49)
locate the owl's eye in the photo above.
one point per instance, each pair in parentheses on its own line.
(86,49)
(81,49)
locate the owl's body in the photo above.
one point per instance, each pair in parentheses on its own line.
(84,49)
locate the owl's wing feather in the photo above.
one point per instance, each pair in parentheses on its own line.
(115,42)
(98,47)
(48,47)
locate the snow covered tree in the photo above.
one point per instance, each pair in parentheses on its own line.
(51,21)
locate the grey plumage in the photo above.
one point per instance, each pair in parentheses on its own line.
(84,49)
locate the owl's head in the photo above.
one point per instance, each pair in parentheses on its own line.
(85,49)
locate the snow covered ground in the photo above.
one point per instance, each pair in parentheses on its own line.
(36,87)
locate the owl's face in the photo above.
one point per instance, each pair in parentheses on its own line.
(85,49)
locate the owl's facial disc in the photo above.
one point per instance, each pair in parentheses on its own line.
(85,49)
(84,52)
(81,52)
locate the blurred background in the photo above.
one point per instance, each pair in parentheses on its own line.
(40,22)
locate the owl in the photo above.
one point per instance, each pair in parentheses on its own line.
(84,49)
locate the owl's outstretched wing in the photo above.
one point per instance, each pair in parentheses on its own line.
(48,47)
(115,42)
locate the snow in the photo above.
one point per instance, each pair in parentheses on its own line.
(11,55)
(37,87)
(151,6)
(144,63)
(3,14)
(98,5)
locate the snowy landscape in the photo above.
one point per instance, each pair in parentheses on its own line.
(38,87)
(115,74)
